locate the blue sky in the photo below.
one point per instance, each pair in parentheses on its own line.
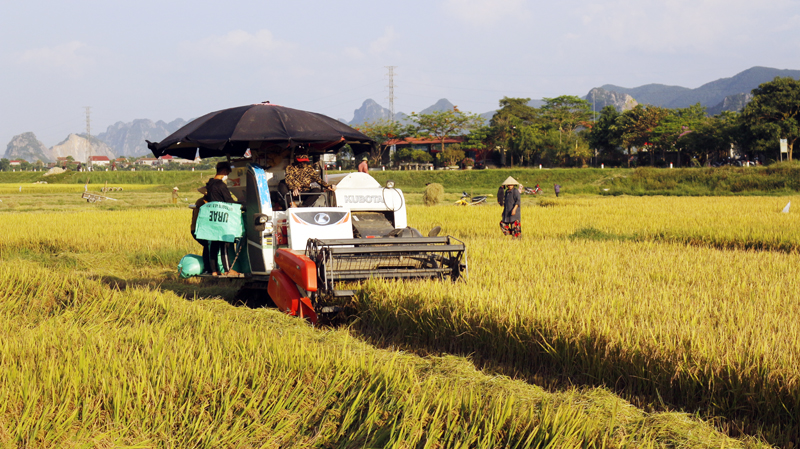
(167,59)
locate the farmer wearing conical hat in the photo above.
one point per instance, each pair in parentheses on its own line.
(363,167)
(510,224)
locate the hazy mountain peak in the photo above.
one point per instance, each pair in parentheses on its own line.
(601,98)
(370,111)
(81,146)
(26,146)
(710,94)
(128,139)
(441,105)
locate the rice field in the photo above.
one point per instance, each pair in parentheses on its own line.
(689,302)
(614,322)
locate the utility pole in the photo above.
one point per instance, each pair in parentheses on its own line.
(88,120)
(391,91)
(391,68)
(88,135)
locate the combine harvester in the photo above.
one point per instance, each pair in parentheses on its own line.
(302,258)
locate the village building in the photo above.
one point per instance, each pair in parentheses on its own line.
(430,145)
(166,159)
(149,161)
(98,161)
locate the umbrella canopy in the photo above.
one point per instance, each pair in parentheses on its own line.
(259,126)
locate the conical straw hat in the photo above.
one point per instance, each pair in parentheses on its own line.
(510,182)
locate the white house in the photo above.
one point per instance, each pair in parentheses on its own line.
(98,161)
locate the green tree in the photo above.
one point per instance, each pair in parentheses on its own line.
(678,123)
(440,125)
(711,137)
(412,155)
(774,113)
(5,164)
(566,113)
(605,135)
(514,107)
(636,127)
(509,127)
(579,149)
(526,142)
(382,132)
(478,140)
(451,155)
(553,147)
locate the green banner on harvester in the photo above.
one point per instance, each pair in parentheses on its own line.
(221,222)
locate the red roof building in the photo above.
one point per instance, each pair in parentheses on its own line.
(98,160)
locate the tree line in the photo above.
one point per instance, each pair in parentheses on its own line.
(565,132)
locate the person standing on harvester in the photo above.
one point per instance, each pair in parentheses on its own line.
(512,204)
(217,190)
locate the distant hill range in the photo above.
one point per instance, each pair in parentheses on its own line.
(128,139)
(370,111)
(120,139)
(726,94)
(80,146)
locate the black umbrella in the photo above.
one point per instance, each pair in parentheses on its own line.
(259,126)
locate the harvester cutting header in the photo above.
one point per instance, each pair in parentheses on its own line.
(352,228)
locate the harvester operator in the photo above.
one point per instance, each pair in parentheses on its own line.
(300,174)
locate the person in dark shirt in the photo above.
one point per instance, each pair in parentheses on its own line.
(510,224)
(217,190)
(204,243)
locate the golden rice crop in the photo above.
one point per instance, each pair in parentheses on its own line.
(665,299)
(98,231)
(9,190)
(86,365)
(677,302)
